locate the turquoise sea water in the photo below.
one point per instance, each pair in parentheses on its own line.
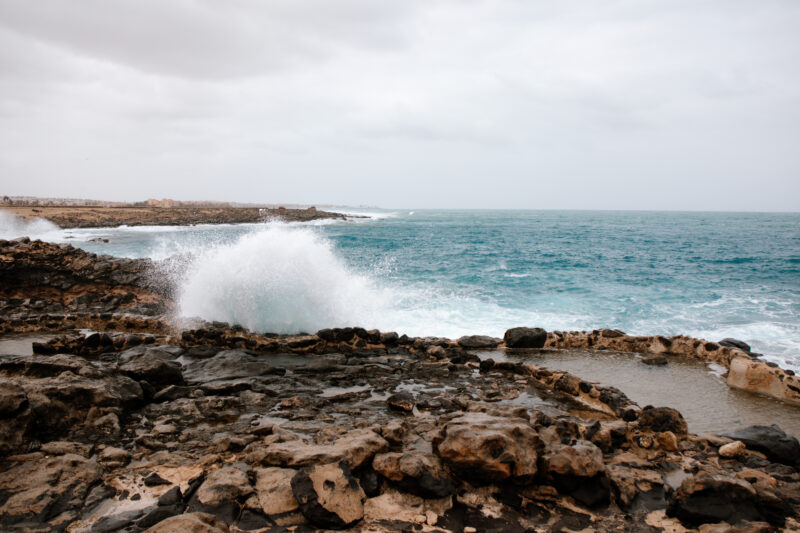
(449,273)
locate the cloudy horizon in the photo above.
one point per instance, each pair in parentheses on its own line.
(682,105)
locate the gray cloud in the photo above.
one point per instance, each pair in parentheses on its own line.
(652,105)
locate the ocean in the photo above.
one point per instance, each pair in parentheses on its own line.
(451,273)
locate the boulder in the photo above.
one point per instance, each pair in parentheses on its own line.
(190,523)
(705,498)
(478,342)
(222,493)
(401,401)
(525,338)
(732,449)
(274,490)
(417,472)
(355,447)
(154,369)
(735,343)
(655,360)
(488,449)
(658,419)
(329,495)
(763,377)
(772,441)
(578,470)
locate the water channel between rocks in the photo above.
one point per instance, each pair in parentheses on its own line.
(697,389)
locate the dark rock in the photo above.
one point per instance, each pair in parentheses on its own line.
(329,495)
(655,360)
(660,419)
(222,493)
(578,471)
(478,342)
(401,401)
(525,338)
(154,480)
(735,343)
(772,441)
(172,497)
(159,514)
(486,365)
(419,473)
(704,498)
(154,369)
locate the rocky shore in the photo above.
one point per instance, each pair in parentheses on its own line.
(96,217)
(139,424)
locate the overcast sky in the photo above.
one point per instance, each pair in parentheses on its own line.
(668,104)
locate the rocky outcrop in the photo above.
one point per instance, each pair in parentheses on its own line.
(317,446)
(703,499)
(772,442)
(104,217)
(761,377)
(38,277)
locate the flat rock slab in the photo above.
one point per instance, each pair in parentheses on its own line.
(229,364)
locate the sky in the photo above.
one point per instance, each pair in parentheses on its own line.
(624,104)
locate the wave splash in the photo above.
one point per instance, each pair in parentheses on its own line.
(12,227)
(280,280)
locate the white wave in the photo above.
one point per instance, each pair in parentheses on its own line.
(282,279)
(12,227)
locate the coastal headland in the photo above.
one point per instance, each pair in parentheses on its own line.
(78,216)
(127,419)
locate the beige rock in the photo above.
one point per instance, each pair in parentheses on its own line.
(355,447)
(732,449)
(489,448)
(42,483)
(756,376)
(63,448)
(190,523)
(274,490)
(583,459)
(329,495)
(667,440)
(394,505)
(114,457)
(224,485)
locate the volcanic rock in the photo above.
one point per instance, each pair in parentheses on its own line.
(478,342)
(772,441)
(708,498)
(525,338)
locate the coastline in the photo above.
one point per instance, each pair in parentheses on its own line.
(142,421)
(67,217)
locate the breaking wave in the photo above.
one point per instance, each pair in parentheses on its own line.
(280,279)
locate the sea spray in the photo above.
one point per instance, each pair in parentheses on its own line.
(280,279)
(12,227)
